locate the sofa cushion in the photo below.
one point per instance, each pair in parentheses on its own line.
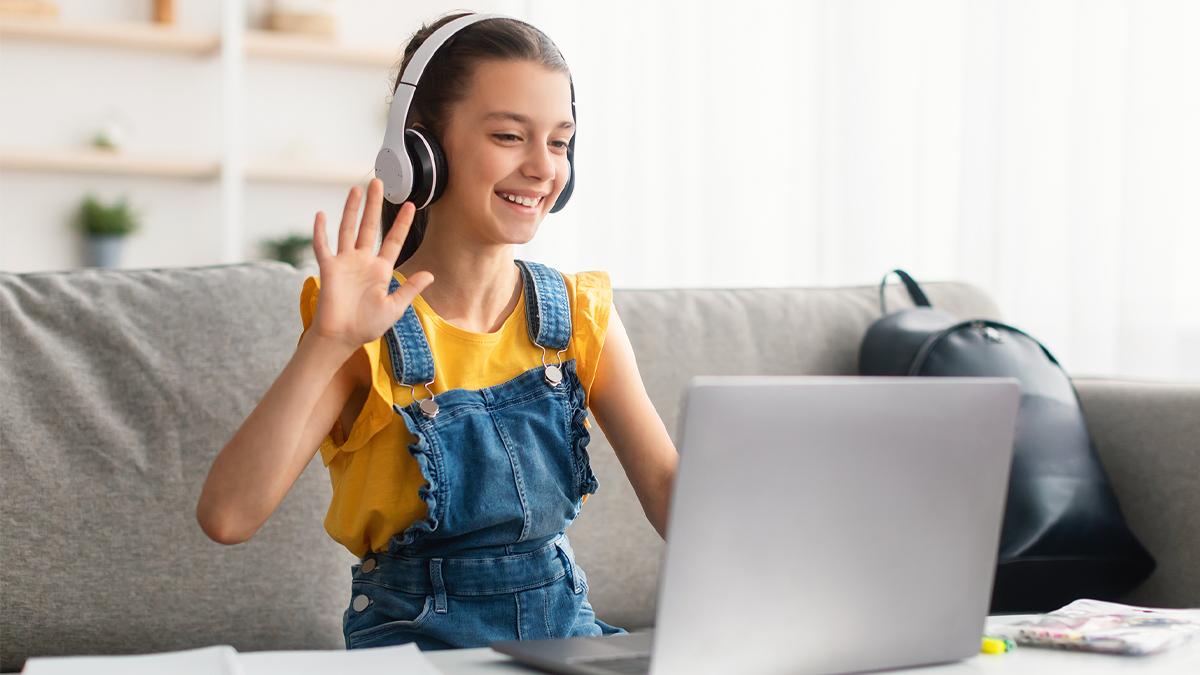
(117,391)
(1146,434)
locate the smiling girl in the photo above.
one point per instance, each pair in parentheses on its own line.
(456,443)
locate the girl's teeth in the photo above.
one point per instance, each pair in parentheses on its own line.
(524,201)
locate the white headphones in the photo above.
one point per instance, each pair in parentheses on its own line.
(411,162)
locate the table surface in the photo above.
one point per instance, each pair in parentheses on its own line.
(1024,660)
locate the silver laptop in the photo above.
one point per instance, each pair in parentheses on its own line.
(821,525)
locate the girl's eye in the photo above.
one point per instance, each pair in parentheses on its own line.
(561,145)
(508,137)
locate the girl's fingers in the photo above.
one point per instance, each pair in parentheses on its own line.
(408,290)
(320,240)
(394,241)
(371,215)
(349,215)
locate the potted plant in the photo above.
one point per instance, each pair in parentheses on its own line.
(292,249)
(104,228)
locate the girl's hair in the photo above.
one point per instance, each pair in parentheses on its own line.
(447,76)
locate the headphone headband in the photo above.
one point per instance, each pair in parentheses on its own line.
(416,65)
(393,165)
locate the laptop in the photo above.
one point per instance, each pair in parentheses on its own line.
(821,525)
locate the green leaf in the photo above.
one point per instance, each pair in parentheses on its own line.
(97,220)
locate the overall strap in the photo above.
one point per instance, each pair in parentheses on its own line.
(412,360)
(547,307)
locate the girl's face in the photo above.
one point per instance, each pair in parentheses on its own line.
(506,147)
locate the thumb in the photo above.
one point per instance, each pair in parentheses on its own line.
(408,290)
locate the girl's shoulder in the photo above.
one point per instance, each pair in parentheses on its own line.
(590,294)
(588,280)
(591,286)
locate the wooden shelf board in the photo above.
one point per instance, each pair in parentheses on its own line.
(258,43)
(99,162)
(128,35)
(273,45)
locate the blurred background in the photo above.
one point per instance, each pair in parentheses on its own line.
(1047,151)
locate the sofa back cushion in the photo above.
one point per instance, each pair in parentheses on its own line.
(117,391)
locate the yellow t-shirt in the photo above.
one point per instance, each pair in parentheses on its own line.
(375,479)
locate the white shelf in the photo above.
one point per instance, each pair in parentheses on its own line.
(152,37)
(103,162)
(282,46)
(147,36)
(115,163)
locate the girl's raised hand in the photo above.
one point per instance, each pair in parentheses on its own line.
(354,306)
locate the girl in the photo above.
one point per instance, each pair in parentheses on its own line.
(455,443)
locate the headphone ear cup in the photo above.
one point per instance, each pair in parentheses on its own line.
(570,186)
(442,170)
(565,195)
(429,166)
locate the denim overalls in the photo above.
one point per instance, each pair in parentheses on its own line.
(507,471)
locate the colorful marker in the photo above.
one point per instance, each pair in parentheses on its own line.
(993,645)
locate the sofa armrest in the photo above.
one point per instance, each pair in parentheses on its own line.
(1148,437)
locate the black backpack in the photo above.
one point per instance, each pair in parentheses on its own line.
(1064,537)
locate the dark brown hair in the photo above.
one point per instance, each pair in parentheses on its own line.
(447,76)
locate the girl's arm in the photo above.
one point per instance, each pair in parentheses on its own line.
(262,461)
(632,425)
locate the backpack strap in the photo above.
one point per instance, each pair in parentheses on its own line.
(412,359)
(914,291)
(547,306)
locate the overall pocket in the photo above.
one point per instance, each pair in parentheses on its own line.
(387,618)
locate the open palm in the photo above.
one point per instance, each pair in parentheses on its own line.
(354,306)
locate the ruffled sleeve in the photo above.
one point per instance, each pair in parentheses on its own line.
(377,410)
(591,307)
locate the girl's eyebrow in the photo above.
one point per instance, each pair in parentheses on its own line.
(522,119)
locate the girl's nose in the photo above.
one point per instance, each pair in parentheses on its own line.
(539,163)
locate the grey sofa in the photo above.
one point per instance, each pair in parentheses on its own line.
(117,389)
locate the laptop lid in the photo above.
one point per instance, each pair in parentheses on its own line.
(833,524)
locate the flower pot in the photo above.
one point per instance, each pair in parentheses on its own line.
(104,251)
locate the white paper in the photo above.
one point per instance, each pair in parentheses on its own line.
(401,660)
(220,660)
(225,660)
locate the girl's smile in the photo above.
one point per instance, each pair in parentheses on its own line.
(522,200)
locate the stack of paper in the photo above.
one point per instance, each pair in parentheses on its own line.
(1108,627)
(225,660)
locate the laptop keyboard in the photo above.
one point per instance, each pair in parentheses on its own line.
(637,665)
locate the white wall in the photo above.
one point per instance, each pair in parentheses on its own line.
(1047,151)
